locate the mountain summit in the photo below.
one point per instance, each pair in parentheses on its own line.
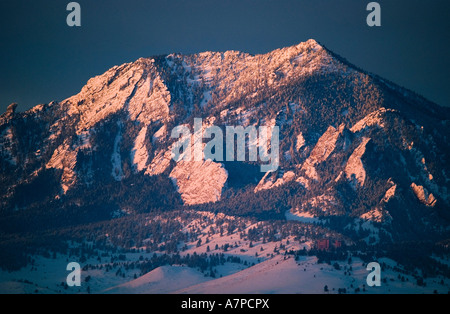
(363,156)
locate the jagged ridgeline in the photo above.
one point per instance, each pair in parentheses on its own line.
(358,153)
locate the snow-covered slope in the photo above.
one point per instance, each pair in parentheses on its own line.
(306,276)
(164,279)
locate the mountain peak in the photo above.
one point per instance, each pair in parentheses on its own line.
(140,87)
(310,43)
(12,108)
(308,47)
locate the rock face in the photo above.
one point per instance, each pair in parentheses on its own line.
(139,153)
(135,88)
(354,170)
(65,159)
(423,195)
(270,181)
(345,137)
(323,149)
(199,182)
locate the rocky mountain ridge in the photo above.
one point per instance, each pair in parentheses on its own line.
(353,146)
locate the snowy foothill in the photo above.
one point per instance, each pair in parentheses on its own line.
(247,266)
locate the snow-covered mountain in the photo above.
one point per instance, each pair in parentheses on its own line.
(359,154)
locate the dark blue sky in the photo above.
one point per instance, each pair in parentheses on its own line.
(42,59)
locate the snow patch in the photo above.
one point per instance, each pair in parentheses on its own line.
(305,217)
(206,99)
